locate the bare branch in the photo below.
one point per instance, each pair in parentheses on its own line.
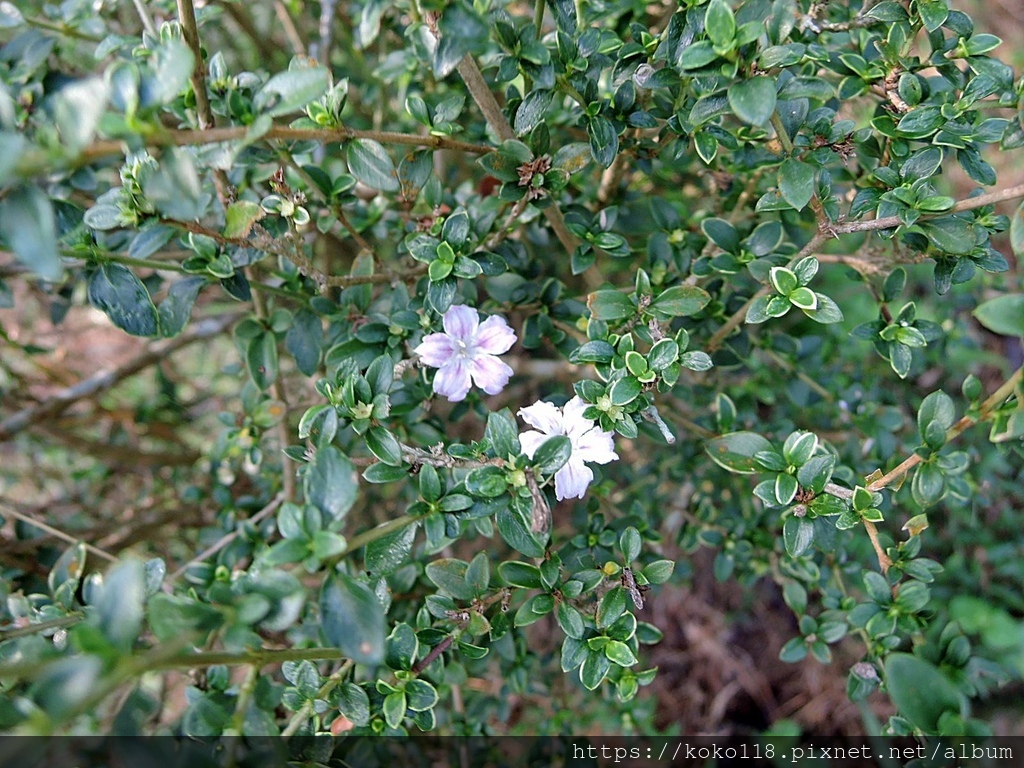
(154,353)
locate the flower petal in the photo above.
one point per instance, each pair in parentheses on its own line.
(452,379)
(460,322)
(436,349)
(494,336)
(531,441)
(572,479)
(544,416)
(573,421)
(595,445)
(490,374)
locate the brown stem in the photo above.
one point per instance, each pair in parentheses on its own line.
(996,399)
(485,100)
(59,402)
(281,428)
(56,532)
(888,222)
(180,138)
(190,31)
(264,513)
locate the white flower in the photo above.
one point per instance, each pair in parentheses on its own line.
(589,443)
(467,351)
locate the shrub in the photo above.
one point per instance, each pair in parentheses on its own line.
(526,305)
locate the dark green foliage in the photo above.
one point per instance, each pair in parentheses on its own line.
(699,221)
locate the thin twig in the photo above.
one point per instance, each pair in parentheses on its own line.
(11,633)
(156,352)
(306,711)
(259,517)
(968,204)
(181,138)
(485,100)
(290,31)
(55,532)
(145,18)
(995,400)
(190,31)
(281,428)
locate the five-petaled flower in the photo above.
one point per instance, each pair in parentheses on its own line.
(467,351)
(589,443)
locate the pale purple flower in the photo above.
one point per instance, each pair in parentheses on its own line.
(467,351)
(589,443)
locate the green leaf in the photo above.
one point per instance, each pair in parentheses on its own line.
(659,571)
(394,708)
(1003,315)
(786,487)
(604,140)
(796,183)
(1017,231)
(680,301)
(919,690)
(696,361)
(610,305)
(933,13)
(783,280)
(697,55)
(795,596)
(176,308)
(593,670)
(663,354)
(722,233)
(174,187)
(478,574)
(929,484)
(77,109)
(937,407)
(420,695)
(515,530)
(804,298)
(304,341)
(799,447)
(291,90)
(401,647)
(330,483)
(261,359)
(949,234)
(826,312)
(798,535)
(552,454)
(533,110)
(736,450)
(28,227)
(384,446)
(116,290)
(119,606)
(352,619)
(619,653)
(719,23)
(594,351)
(630,544)
(611,607)
(517,574)
(753,100)
(570,620)
(503,435)
(625,390)
(449,575)
(387,554)
(240,218)
(371,164)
